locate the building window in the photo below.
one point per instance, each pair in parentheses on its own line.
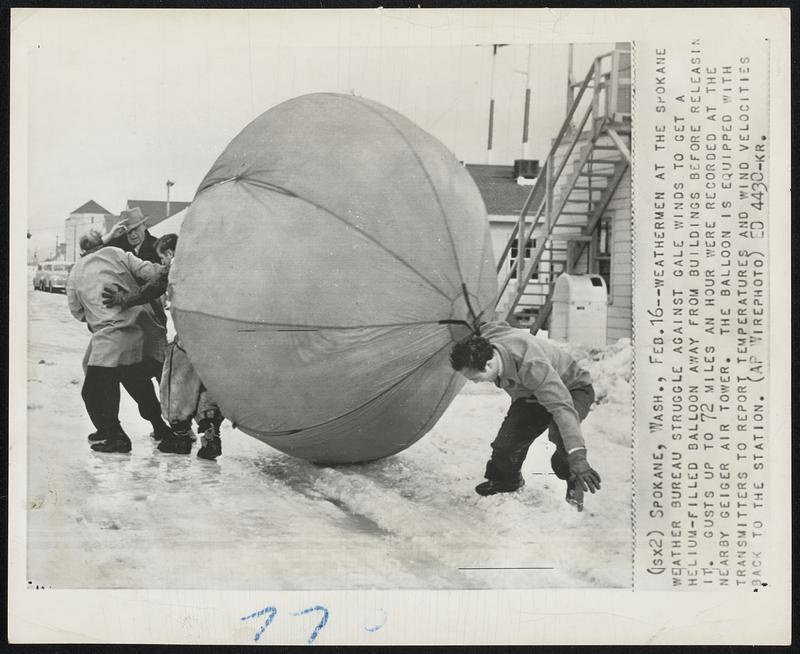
(605,245)
(512,259)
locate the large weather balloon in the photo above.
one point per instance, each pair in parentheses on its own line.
(321,273)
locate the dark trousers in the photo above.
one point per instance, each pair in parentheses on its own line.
(154,368)
(525,421)
(100,393)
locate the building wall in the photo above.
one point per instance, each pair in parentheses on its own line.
(500,228)
(500,231)
(76,226)
(620,307)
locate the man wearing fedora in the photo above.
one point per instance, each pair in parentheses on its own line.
(136,239)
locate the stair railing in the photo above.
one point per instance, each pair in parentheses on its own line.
(542,191)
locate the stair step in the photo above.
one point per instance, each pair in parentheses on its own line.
(570,237)
(574,213)
(609,175)
(595,186)
(605,147)
(604,161)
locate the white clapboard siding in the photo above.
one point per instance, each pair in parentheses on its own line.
(619,309)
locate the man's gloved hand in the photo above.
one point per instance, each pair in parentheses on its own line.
(582,472)
(115,297)
(117,231)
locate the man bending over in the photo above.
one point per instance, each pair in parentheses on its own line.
(548,389)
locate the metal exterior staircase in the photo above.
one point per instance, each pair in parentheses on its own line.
(564,209)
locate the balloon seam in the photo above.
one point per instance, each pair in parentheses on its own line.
(361,406)
(427,176)
(367,236)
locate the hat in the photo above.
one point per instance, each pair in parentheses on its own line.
(132,218)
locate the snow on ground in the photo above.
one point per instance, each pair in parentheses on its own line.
(257,518)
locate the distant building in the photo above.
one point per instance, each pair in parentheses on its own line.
(88,216)
(171,225)
(156,210)
(92,216)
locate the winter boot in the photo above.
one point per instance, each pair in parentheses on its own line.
(211,444)
(491,487)
(178,441)
(575,494)
(117,441)
(160,429)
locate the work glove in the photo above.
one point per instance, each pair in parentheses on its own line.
(118,297)
(581,472)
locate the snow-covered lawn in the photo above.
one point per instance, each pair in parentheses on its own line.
(257,518)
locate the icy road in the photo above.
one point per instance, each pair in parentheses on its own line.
(258,519)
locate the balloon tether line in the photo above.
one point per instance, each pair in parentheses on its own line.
(475,325)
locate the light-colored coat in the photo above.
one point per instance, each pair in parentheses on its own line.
(120,337)
(535,367)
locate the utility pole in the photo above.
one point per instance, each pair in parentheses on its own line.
(495,48)
(570,84)
(526,120)
(169,183)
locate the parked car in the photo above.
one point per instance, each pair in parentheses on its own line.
(37,277)
(51,276)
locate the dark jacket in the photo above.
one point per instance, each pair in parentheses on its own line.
(147,252)
(151,291)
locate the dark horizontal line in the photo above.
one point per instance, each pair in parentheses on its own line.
(512,568)
(252,331)
(254,326)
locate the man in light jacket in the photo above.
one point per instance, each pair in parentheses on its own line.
(548,389)
(125,344)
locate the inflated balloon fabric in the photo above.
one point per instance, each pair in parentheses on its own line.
(314,267)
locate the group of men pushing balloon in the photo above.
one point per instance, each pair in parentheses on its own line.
(117,288)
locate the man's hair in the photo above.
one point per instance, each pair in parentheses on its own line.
(473,352)
(91,240)
(167,242)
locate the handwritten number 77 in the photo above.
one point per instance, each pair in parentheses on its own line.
(271,612)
